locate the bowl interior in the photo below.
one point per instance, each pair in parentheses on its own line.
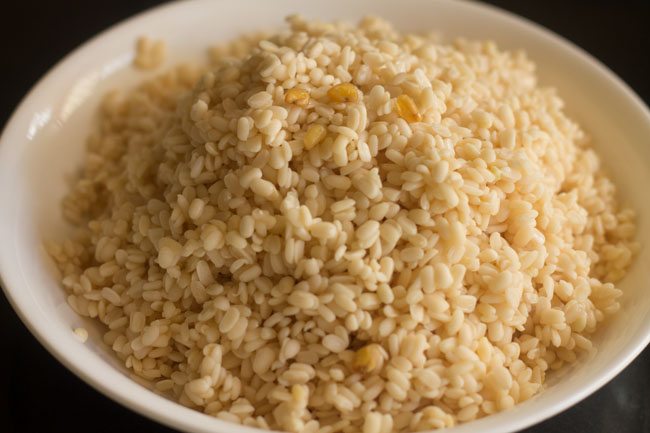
(45,139)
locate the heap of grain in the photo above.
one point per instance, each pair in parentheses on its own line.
(345,228)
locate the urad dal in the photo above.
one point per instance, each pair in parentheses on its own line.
(343,229)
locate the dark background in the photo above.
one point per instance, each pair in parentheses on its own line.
(37,394)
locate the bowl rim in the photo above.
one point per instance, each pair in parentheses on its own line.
(10,280)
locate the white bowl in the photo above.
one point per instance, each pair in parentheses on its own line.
(44,141)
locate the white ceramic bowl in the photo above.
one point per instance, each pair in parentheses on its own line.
(44,140)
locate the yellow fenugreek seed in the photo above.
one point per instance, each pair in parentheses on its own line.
(344,92)
(369,358)
(297,96)
(314,135)
(406,109)
(298,393)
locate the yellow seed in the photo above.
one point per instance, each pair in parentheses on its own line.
(297,96)
(369,358)
(344,92)
(314,135)
(406,109)
(298,393)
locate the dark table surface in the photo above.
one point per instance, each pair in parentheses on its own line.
(37,394)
